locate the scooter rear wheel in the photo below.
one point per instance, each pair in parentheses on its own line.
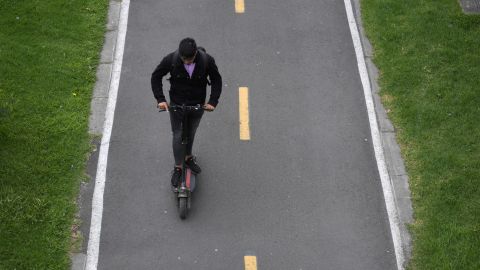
(182,207)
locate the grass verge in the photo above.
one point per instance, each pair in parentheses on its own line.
(49,52)
(428,54)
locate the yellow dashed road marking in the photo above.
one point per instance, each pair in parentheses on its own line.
(250,262)
(244,114)
(239,6)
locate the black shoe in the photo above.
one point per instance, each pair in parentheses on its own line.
(192,164)
(176,176)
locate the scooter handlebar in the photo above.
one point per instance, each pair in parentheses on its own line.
(197,107)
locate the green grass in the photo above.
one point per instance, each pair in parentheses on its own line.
(49,51)
(428,53)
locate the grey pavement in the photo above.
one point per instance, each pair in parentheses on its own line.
(304,193)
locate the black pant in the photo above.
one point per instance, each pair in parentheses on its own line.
(193,120)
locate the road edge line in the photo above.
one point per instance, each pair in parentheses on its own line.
(376,139)
(97,200)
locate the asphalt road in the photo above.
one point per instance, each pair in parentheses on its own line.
(303,193)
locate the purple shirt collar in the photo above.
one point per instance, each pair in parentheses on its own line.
(189,68)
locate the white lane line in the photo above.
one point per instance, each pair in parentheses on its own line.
(97,201)
(377,143)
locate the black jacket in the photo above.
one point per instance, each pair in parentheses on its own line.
(186,90)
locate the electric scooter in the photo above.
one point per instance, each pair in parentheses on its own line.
(187,186)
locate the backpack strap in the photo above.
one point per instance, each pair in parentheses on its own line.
(174,60)
(203,55)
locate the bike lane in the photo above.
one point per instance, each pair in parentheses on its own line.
(302,193)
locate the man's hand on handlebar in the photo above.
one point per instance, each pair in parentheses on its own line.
(163,106)
(209,108)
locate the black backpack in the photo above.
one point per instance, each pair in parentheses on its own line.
(203,54)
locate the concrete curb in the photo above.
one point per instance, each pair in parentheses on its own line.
(96,120)
(470,6)
(393,158)
(104,71)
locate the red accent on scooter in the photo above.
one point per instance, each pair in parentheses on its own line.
(189,174)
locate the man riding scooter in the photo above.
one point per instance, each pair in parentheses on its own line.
(190,69)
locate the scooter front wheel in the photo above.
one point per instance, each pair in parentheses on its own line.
(182,207)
